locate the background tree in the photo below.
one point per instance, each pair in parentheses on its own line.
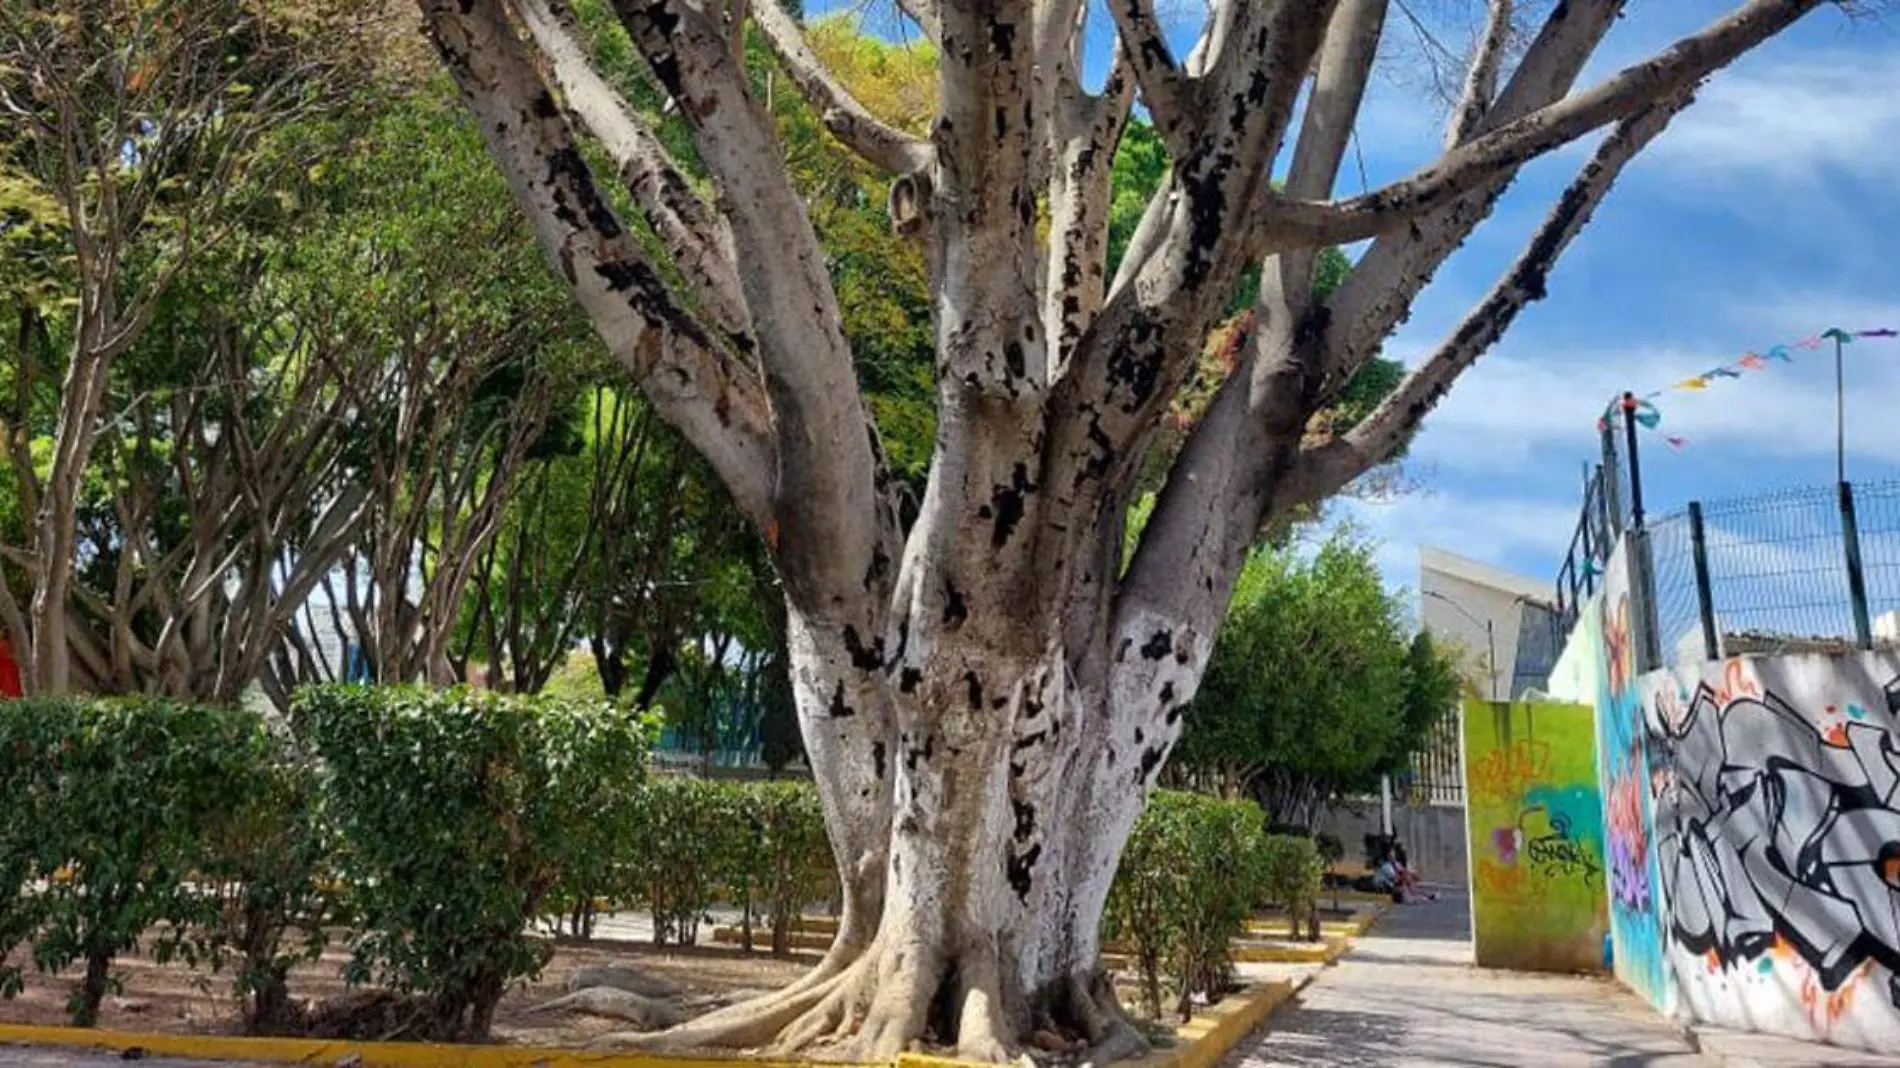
(985,671)
(1313,690)
(141,123)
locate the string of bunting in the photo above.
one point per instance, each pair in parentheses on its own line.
(1649,417)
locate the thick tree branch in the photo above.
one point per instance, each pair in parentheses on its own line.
(712,400)
(926,14)
(1165,87)
(1075,282)
(1332,110)
(1299,223)
(1481,79)
(1133,357)
(849,121)
(1390,275)
(1326,468)
(686,226)
(831,519)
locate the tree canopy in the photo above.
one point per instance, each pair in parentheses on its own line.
(1315,689)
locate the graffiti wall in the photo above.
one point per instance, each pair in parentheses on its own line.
(1777,841)
(1535,820)
(1627,778)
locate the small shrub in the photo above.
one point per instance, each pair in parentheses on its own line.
(121,797)
(461,816)
(273,885)
(1291,874)
(793,854)
(1187,882)
(683,850)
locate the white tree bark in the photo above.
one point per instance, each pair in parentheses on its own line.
(988,695)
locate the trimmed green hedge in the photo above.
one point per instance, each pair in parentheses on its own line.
(109,809)
(437,830)
(462,817)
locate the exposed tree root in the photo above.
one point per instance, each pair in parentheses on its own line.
(883,1002)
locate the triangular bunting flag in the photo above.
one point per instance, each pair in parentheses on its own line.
(1882,332)
(1674,441)
(1780,352)
(1722,372)
(1752,361)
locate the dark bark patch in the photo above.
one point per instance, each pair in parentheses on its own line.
(1021,868)
(1150,760)
(975,688)
(880,567)
(908,679)
(918,754)
(1121,651)
(955,610)
(1158,645)
(1167,693)
(1013,359)
(569,180)
(903,643)
(1029,741)
(1009,504)
(1025,814)
(877,759)
(838,708)
(863,657)
(1003,39)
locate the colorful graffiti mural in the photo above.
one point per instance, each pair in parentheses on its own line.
(1628,781)
(1776,837)
(1535,819)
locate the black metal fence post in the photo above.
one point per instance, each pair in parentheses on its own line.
(1610,480)
(1704,595)
(1636,467)
(1856,574)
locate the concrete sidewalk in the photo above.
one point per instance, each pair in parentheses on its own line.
(1407,994)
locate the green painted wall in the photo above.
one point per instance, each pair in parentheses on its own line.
(1534,813)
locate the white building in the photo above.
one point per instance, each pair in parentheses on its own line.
(1501,623)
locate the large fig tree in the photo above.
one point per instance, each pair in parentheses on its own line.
(988,692)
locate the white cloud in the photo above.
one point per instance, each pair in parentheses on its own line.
(1792,120)
(1513,533)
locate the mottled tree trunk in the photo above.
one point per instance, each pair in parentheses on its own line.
(987,693)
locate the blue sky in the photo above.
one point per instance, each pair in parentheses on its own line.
(1765,214)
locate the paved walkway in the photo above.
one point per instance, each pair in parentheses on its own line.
(1408,995)
(45,1057)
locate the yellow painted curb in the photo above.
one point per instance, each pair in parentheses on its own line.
(1208,1037)
(365,1054)
(762,938)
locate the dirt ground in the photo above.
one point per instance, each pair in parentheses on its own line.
(173,998)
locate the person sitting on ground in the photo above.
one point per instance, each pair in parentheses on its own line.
(1386,877)
(1408,881)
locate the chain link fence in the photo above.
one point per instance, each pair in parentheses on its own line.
(1816,567)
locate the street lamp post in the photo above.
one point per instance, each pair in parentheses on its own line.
(1490,635)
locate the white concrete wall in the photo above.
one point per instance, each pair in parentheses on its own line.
(1776,836)
(1485,594)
